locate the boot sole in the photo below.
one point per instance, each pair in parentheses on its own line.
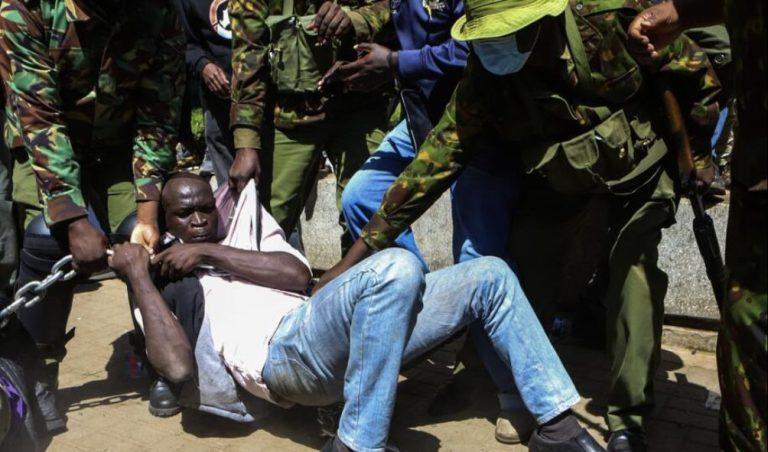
(164,412)
(504,440)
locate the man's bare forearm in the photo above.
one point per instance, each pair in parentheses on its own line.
(168,348)
(270,269)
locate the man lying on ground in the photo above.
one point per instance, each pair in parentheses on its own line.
(349,340)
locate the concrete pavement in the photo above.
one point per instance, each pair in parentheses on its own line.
(107,406)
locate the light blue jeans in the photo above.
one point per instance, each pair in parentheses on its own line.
(349,341)
(482,203)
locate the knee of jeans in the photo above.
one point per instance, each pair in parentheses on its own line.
(496,272)
(401,266)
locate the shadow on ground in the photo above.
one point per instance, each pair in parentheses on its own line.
(117,387)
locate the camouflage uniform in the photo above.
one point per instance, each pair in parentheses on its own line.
(348,127)
(93,89)
(743,345)
(543,108)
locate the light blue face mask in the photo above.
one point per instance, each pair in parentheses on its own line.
(500,56)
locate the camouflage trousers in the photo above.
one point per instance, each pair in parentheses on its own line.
(742,349)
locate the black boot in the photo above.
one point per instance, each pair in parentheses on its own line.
(45,389)
(335,445)
(583,442)
(627,440)
(162,400)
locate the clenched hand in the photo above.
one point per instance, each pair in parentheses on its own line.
(245,167)
(129,260)
(331,22)
(652,30)
(88,246)
(180,260)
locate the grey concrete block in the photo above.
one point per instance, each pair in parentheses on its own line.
(321,232)
(689,291)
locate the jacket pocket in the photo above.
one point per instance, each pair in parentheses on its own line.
(616,153)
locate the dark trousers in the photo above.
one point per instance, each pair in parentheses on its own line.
(185,299)
(219,144)
(9,254)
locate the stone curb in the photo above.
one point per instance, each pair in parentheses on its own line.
(692,339)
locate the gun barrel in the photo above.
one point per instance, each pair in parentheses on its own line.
(706,239)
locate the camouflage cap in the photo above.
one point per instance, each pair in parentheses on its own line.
(486,19)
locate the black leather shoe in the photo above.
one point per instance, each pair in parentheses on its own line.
(583,442)
(335,445)
(162,401)
(46,388)
(629,440)
(53,422)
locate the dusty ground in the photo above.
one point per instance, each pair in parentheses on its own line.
(107,405)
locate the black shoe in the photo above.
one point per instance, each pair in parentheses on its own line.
(162,401)
(53,422)
(45,389)
(583,442)
(335,445)
(628,440)
(328,419)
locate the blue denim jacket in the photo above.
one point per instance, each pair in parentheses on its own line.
(429,57)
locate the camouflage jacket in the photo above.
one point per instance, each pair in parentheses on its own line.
(87,81)
(489,112)
(746,23)
(250,63)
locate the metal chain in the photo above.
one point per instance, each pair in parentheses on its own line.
(32,292)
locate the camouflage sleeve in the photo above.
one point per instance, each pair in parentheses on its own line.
(439,162)
(249,70)
(370,21)
(33,92)
(692,77)
(158,111)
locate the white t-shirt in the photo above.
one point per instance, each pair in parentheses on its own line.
(244,316)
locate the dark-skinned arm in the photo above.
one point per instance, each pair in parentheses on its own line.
(276,270)
(658,26)
(167,347)
(439,162)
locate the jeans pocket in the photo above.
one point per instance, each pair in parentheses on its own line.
(293,380)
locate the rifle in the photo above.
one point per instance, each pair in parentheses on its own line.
(416,113)
(703,226)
